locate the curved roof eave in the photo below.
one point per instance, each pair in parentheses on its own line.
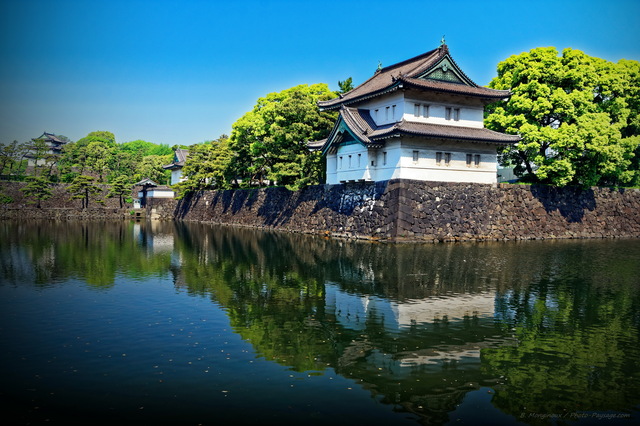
(329,105)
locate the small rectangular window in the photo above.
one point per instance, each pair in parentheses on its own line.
(476,160)
(386,113)
(425,111)
(456,114)
(416,110)
(340,163)
(384,158)
(415,156)
(447,113)
(349,161)
(447,159)
(359,158)
(393,112)
(375,114)
(469,160)
(438,158)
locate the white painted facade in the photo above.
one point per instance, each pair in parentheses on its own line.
(414,157)
(158,193)
(419,119)
(176,176)
(353,311)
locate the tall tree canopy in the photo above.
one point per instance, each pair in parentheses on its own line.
(346,85)
(99,155)
(578,117)
(38,188)
(269,142)
(208,166)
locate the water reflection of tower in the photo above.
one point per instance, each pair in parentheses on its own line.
(421,354)
(154,236)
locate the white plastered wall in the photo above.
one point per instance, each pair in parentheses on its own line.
(469,116)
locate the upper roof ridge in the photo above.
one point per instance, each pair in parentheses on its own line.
(410,60)
(391,78)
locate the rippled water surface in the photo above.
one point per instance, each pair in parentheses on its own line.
(163,323)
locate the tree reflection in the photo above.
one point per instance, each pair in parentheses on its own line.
(561,333)
(45,253)
(551,327)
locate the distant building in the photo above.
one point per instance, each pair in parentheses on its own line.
(150,189)
(419,119)
(179,159)
(54,145)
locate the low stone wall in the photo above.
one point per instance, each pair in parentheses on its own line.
(450,212)
(402,210)
(59,206)
(56,213)
(396,210)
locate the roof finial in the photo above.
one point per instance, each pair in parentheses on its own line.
(379,66)
(442,42)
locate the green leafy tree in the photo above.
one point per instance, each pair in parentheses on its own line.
(83,188)
(38,188)
(144,148)
(129,156)
(93,153)
(104,137)
(124,163)
(41,156)
(346,85)
(11,157)
(577,115)
(151,167)
(120,188)
(99,158)
(269,142)
(208,166)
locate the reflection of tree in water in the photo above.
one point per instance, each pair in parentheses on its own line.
(549,326)
(576,321)
(280,291)
(50,252)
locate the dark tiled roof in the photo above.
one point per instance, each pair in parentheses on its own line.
(181,156)
(179,159)
(442,86)
(50,137)
(362,126)
(407,72)
(316,145)
(145,182)
(451,132)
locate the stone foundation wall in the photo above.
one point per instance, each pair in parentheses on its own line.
(60,206)
(402,210)
(396,210)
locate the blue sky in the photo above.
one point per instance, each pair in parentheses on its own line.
(183,71)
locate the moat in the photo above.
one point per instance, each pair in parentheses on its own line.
(184,323)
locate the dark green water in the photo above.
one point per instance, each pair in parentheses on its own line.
(134,323)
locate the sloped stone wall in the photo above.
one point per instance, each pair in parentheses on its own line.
(403,210)
(396,210)
(451,212)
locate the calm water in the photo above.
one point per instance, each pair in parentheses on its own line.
(139,323)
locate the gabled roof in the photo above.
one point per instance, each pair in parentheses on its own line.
(179,159)
(51,138)
(358,125)
(145,182)
(432,71)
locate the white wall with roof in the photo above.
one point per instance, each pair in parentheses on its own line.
(413,158)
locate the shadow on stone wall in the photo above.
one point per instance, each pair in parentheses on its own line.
(186,204)
(278,206)
(570,202)
(423,211)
